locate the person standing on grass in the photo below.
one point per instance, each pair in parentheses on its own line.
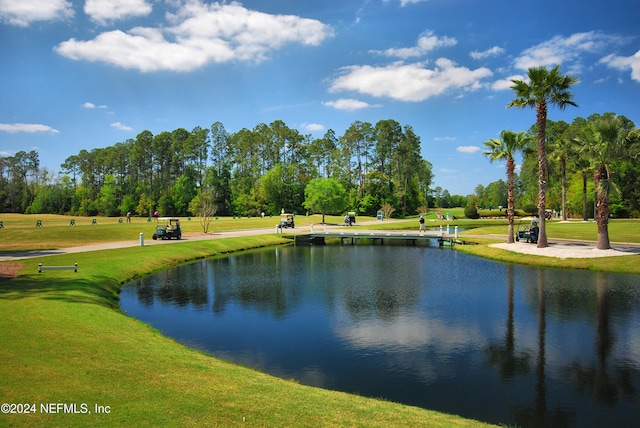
(422,228)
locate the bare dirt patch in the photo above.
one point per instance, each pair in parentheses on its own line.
(9,270)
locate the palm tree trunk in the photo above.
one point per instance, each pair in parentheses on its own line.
(585,216)
(541,119)
(510,204)
(602,210)
(563,167)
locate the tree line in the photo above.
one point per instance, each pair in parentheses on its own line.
(567,169)
(264,169)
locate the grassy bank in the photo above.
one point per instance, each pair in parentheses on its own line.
(65,347)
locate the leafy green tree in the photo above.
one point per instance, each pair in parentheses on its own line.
(197,151)
(376,193)
(506,148)
(544,87)
(424,178)
(458,201)
(388,135)
(326,196)
(496,194)
(629,176)
(562,149)
(410,166)
(128,204)
(143,162)
(323,153)
(145,206)
(185,189)
(279,188)
(163,157)
(575,202)
(357,143)
(107,204)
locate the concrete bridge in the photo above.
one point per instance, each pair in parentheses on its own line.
(346,236)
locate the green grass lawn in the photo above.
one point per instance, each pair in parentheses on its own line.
(64,342)
(21,234)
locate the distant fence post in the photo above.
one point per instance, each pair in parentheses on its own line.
(141,239)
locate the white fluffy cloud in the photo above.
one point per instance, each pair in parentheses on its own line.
(105,11)
(426,43)
(409,82)
(313,127)
(403,3)
(348,104)
(504,84)
(121,126)
(26,127)
(24,12)
(91,106)
(198,34)
(565,50)
(494,51)
(624,63)
(468,149)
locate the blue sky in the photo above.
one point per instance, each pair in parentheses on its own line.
(85,74)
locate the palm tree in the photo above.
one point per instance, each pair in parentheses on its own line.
(506,148)
(563,148)
(544,87)
(584,168)
(610,141)
(577,132)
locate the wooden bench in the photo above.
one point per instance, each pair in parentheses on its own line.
(73,268)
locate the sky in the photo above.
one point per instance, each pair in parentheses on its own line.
(87,74)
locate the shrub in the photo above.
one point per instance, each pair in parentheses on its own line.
(471,212)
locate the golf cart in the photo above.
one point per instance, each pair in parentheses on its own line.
(350,218)
(286,220)
(529,233)
(170,228)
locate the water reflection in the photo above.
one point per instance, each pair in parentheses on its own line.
(423,326)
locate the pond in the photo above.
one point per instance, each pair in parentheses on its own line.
(423,326)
